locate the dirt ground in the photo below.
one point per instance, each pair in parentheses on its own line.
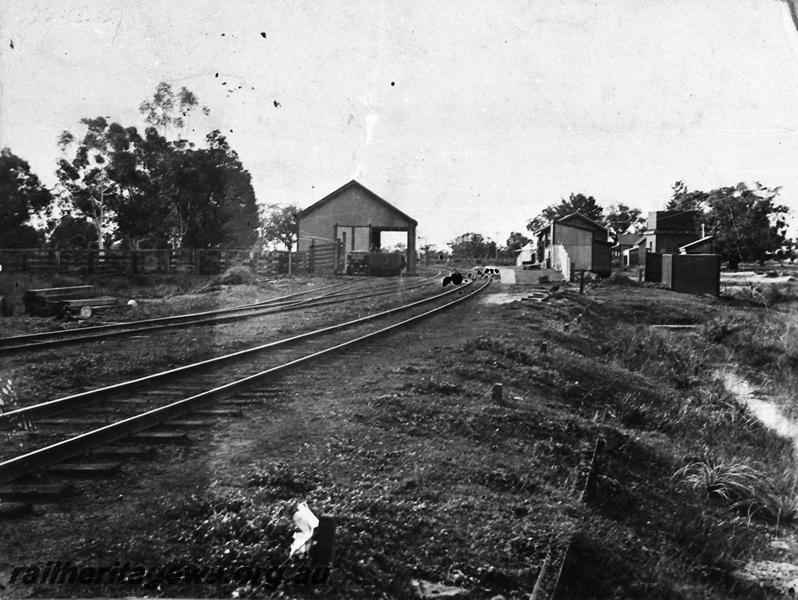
(430,480)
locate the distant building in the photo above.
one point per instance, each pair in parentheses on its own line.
(668,230)
(526,255)
(352,218)
(574,243)
(625,242)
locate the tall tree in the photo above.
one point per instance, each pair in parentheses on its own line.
(21,196)
(143,208)
(748,224)
(516,241)
(585,205)
(214,198)
(85,174)
(167,108)
(278,224)
(682,199)
(472,245)
(621,218)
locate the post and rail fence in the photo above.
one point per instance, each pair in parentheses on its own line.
(163,261)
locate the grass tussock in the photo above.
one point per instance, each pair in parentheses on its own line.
(742,487)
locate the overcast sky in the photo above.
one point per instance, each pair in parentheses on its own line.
(468,115)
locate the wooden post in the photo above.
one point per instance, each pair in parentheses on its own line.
(497,393)
(581,282)
(321,552)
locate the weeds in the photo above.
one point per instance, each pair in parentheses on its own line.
(717,329)
(237,276)
(742,487)
(631,411)
(732,482)
(502,348)
(280,480)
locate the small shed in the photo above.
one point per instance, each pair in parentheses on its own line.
(526,255)
(352,219)
(577,240)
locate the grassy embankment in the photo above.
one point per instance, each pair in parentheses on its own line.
(690,485)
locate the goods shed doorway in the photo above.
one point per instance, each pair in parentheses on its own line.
(356,221)
(373,250)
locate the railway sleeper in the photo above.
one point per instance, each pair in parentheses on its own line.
(15,510)
(85,469)
(259,393)
(253,401)
(125,401)
(37,492)
(60,421)
(217,412)
(157,437)
(120,452)
(187,423)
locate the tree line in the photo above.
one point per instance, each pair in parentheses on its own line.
(157,189)
(748,224)
(153,189)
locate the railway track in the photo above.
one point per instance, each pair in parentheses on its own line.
(333,295)
(106,426)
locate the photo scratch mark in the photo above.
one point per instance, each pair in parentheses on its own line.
(564,120)
(633,138)
(119,23)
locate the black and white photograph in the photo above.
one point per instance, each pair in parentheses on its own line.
(389,299)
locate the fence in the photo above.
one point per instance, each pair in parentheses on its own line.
(561,260)
(179,260)
(324,258)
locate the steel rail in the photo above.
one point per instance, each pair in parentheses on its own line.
(35,460)
(58,404)
(74,336)
(61,332)
(280,300)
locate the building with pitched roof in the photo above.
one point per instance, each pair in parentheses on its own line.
(352,218)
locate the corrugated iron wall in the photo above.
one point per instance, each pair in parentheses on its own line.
(602,258)
(692,273)
(653,262)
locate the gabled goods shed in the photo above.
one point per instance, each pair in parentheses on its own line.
(350,221)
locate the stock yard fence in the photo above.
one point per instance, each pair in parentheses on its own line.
(178,260)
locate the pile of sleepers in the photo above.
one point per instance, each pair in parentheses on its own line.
(65,302)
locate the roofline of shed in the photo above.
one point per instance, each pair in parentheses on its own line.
(704,239)
(347,185)
(577,213)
